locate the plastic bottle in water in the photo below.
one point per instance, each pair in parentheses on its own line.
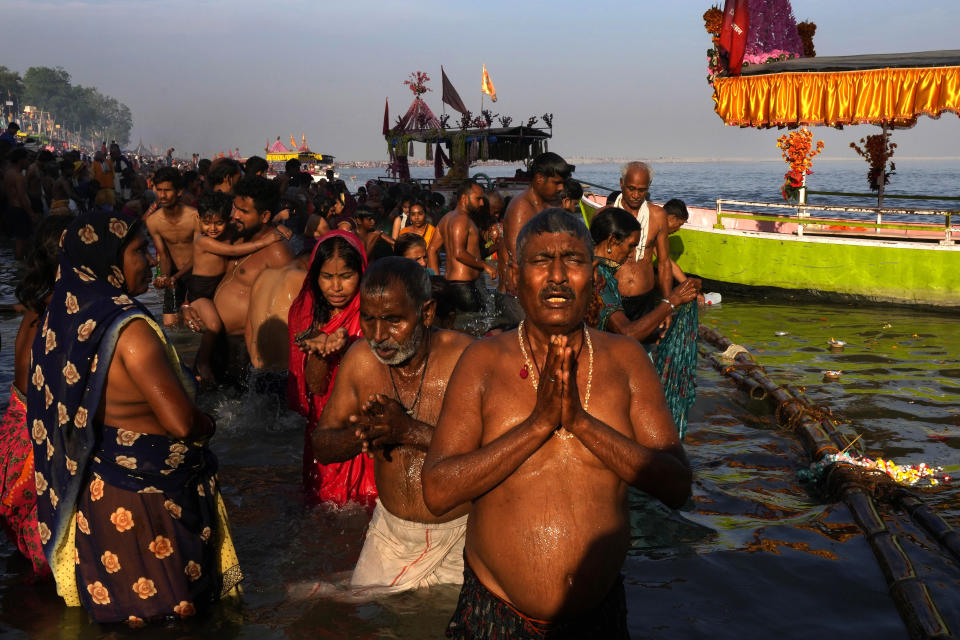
(711,298)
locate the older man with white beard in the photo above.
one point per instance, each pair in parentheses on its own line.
(386,400)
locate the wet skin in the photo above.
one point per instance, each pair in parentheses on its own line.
(172,228)
(641,328)
(363,412)
(417,254)
(637,277)
(541,193)
(338,283)
(549,528)
(265,333)
(143,393)
(232,298)
(461,237)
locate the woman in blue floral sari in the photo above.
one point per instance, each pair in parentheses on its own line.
(130,513)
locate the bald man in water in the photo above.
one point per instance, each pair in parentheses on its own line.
(639,288)
(543,429)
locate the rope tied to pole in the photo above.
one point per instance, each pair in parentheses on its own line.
(797,414)
(731,352)
(746,367)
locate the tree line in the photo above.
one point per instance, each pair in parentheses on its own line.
(74,107)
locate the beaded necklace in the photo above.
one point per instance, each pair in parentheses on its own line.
(416,398)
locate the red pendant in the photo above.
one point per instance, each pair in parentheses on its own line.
(524,372)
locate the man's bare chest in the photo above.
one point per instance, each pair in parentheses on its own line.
(176,232)
(245,270)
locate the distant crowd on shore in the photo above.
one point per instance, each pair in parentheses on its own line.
(480,459)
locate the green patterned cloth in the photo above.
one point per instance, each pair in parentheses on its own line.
(676,362)
(606,295)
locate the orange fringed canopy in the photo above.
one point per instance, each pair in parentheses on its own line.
(842,91)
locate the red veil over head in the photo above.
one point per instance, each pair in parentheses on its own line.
(300,319)
(352,480)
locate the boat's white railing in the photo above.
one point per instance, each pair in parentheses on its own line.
(802,217)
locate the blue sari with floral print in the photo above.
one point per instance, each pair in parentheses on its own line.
(95,483)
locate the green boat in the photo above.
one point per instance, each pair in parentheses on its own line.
(903,256)
(875,261)
(905,265)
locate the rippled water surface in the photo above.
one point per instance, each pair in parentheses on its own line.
(753,553)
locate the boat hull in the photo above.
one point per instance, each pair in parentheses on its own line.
(881,271)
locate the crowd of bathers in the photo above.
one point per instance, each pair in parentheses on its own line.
(346,304)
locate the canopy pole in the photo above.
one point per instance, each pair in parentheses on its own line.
(883,172)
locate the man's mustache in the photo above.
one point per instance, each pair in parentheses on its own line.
(388,343)
(557,291)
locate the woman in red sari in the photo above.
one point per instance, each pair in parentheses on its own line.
(323,321)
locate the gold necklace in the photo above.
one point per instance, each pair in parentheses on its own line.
(236,267)
(565,435)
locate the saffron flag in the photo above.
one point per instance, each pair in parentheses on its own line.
(386,117)
(487,86)
(293,142)
(450,95)
(733,33)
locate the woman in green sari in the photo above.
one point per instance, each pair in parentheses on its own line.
(616,234)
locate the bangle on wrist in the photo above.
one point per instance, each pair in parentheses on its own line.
(667,300)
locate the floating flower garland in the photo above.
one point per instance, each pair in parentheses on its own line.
(798,150)
(909,475)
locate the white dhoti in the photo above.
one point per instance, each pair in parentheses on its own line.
(399,555)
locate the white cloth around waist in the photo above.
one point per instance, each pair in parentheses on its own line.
(400,555)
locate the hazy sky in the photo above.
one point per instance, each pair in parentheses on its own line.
(623,79)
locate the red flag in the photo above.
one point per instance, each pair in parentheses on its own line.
(450,95)
(733,33)
(386,117)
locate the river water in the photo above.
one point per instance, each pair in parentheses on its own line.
(753,553)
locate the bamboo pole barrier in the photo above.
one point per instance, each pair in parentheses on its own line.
(855,486)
